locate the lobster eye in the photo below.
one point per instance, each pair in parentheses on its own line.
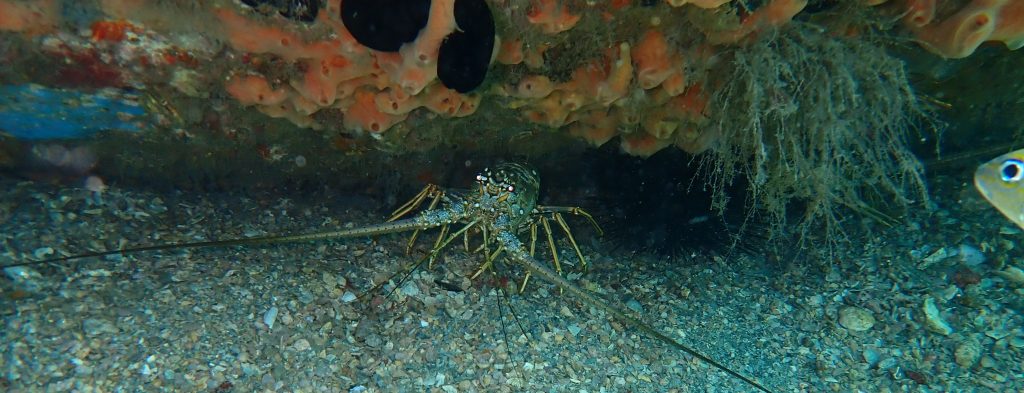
(1012,170)
(510,188)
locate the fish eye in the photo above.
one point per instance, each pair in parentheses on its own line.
(1012,170)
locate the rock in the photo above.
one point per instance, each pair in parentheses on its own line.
(410,289)
(95,327)
(1012,274)
(856,319)
(872,357)
(301,345)
(270,317)
(935,257)
(988,362)
(348,297)
(634,305)
(933,318)
(25,277)
(967,353)
(970,255)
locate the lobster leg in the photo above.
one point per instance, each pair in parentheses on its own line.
(430,191)
(556,215)
(517,252)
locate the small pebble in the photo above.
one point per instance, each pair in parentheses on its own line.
(270,317)
(635,306)
(410,289)
(1012,274)
(970,255)
(967,353)
(348,297)
(872,357)
(95,327)
(856,319)
(987,362)
(24,277)
(301,345)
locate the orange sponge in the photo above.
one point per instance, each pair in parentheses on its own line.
(596,127)
(533,86)
(415,64)
(552,15)
(28,17)
(919,12)
(642,144)
(658,123)
(694,140)
(979,21)
(470,102)
(554,110)
(654,62)
(442,100)
(675,84)
(619,77)
(364,115)
(1010,27)
(249,36)
(774,14)
(396,101)
(511,52)
(691,105)
(323,75)
(254,90)
(706,4)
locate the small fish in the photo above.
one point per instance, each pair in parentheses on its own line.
(1001,181)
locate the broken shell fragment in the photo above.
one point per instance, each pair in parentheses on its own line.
(933,318)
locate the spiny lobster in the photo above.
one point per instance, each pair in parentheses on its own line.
(501,207)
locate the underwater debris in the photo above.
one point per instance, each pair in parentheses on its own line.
(465,55)
(809,116)
(385,26)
